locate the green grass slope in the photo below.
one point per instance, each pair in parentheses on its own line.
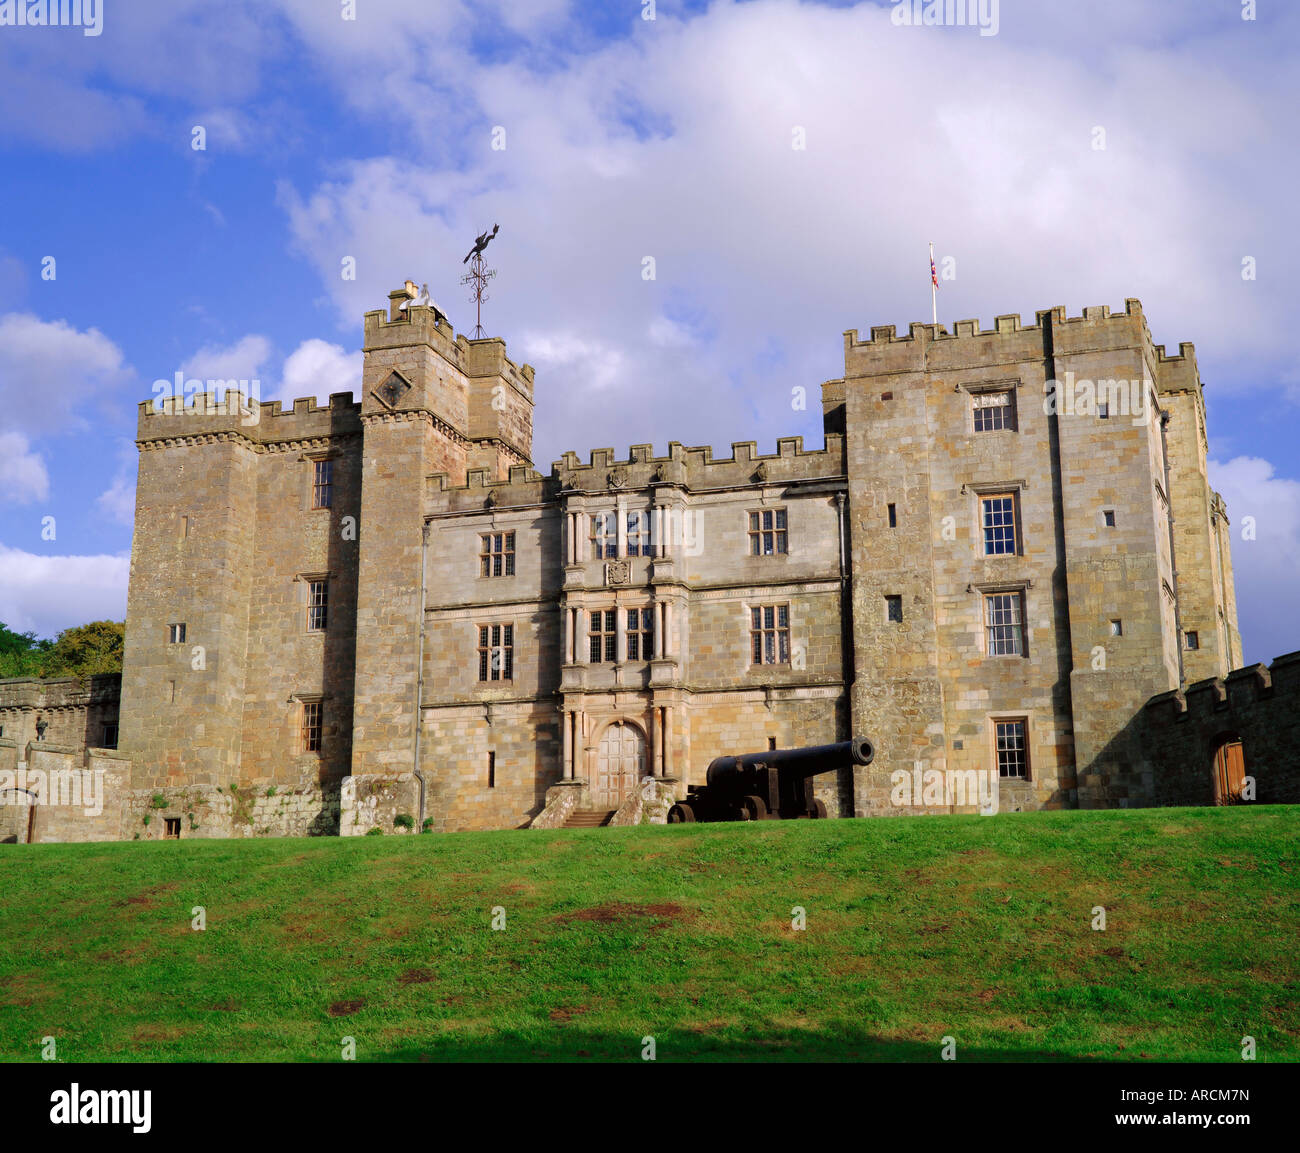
(977,928)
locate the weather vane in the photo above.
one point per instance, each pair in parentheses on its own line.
(479,276)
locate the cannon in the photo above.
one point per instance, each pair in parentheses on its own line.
(767,786)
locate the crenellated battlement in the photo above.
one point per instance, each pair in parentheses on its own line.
(934,348)
(1216,699)
(696,467)
(1008,324)
(693,468)
(259,422)
(1256,708)
(423,324)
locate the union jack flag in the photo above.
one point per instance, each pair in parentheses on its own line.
(934,277)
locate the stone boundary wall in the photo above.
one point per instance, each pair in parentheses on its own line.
(74,710)
(1258,705)
(373,801)
(215,811)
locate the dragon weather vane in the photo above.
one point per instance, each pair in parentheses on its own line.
(479,276)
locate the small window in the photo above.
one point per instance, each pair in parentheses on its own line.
(311,726)
(886,396)
(497,554)
(769,634)
(602,638)
(1109,516)
(771,744)
(767,532)
(893,608)
(171,828)
(998,516)
(893,516)
(1012,749)
(109,735)
(176,634)
(1004,629)
(638,534)
(640,634)
(1192,640)
(1117,628)
(317,605)
(993,411)
(492,770)
(496,652)
(604,535)
(1103,410)
(322,489)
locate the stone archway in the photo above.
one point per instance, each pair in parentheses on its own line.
(1229,769)
(620,764)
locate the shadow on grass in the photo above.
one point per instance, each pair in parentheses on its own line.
(569,1044)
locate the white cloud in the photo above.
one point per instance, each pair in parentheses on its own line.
(318,368)
(598,365)
(51,374)
(241,361)
(46,594)
(675,142)
(1266,570)
(23,478)
(117,502)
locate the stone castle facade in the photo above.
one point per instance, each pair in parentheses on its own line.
(378,611)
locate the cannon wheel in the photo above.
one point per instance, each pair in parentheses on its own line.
(755,808)
(681,815)
(818,809)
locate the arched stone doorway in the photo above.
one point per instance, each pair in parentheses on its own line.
(1229,770)
(620,764)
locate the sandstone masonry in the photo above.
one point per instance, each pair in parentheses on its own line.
(377,614)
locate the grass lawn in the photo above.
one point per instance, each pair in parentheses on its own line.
(978,928)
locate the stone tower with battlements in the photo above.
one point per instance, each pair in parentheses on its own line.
(273,613)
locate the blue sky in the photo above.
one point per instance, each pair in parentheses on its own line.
(626,137)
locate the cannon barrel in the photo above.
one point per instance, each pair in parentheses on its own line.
(806,762)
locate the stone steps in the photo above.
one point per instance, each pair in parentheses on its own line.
(589,818)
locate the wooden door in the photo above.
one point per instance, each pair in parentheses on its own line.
(620,762)
(1229,773)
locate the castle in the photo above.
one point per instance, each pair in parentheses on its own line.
(1006,559)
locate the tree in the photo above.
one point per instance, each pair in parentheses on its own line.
(21,654)
(83,650)
(86,650)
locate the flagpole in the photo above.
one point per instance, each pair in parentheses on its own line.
(934,302)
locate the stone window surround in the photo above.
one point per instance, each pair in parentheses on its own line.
(986,589)
(489,555)
(506,648)
(974,388)
(748,607)
(1005,717)
(774,532)
(661,522)
(301,700)
(981,493)
(309,496)
(305,578)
